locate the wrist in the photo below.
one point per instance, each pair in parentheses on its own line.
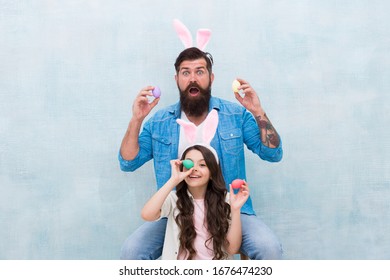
(235,211)
(135,123)
(174,181)
(136,119)
(259,113)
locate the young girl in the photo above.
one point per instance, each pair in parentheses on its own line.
(201,223)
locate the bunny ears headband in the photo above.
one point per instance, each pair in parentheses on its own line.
(202,35)
(206,132)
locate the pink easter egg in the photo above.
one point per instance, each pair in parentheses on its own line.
(237,183)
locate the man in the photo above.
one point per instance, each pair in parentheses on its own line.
(161,140)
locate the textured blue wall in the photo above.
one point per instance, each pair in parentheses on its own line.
(69,71)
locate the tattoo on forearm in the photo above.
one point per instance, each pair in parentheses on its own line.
(268,134)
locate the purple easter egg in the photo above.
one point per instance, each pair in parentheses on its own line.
(156,92)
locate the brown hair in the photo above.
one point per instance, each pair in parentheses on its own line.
(217,210)
(193,54)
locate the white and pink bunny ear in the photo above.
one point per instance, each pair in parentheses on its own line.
(190,130)
(210,127)
(202,37)
(200,135)
(183,33)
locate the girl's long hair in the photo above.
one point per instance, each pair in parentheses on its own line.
(216,209)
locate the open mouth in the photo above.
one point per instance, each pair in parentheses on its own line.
(194,177)
(194,91)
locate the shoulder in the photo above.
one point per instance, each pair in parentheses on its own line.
(169,204)
(163,114)
(227,107)
(172,198)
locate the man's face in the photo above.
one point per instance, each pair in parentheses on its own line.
(194,83)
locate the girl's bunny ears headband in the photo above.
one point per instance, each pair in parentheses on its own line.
(202,36)
(192,132)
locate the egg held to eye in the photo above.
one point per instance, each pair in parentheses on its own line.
(187,163)
(156,92)
(237,183)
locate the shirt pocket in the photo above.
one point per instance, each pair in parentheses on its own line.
(161,148)
(231,141)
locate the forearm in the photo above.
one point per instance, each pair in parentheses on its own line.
(234,235)
(152,208)
(130,146)
(268,134)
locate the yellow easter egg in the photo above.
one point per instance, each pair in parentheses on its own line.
(235,85)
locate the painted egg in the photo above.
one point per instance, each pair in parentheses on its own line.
(237,183)
(156,92)
(187,163)
(235,85)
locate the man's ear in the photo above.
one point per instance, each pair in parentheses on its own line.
(176,78)
(212,77)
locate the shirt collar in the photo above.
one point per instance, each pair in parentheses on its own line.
(190,195)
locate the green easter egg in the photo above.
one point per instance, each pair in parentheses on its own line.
(187,163)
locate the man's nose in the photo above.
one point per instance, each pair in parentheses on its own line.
(192,77)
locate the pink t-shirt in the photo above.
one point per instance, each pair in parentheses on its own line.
(202,234)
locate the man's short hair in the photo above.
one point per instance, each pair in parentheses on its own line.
(193,54)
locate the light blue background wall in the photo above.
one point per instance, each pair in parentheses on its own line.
(69,71)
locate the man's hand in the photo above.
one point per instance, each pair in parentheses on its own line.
(249,100)
(141,108)
(141,105)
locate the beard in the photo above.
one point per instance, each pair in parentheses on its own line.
(195,106)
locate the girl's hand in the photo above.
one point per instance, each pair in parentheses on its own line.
(238,200)
(176,174)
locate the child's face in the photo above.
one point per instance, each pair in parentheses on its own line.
(200,175)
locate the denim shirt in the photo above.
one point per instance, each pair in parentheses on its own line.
(159,140)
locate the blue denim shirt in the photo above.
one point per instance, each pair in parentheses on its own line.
(159,140)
